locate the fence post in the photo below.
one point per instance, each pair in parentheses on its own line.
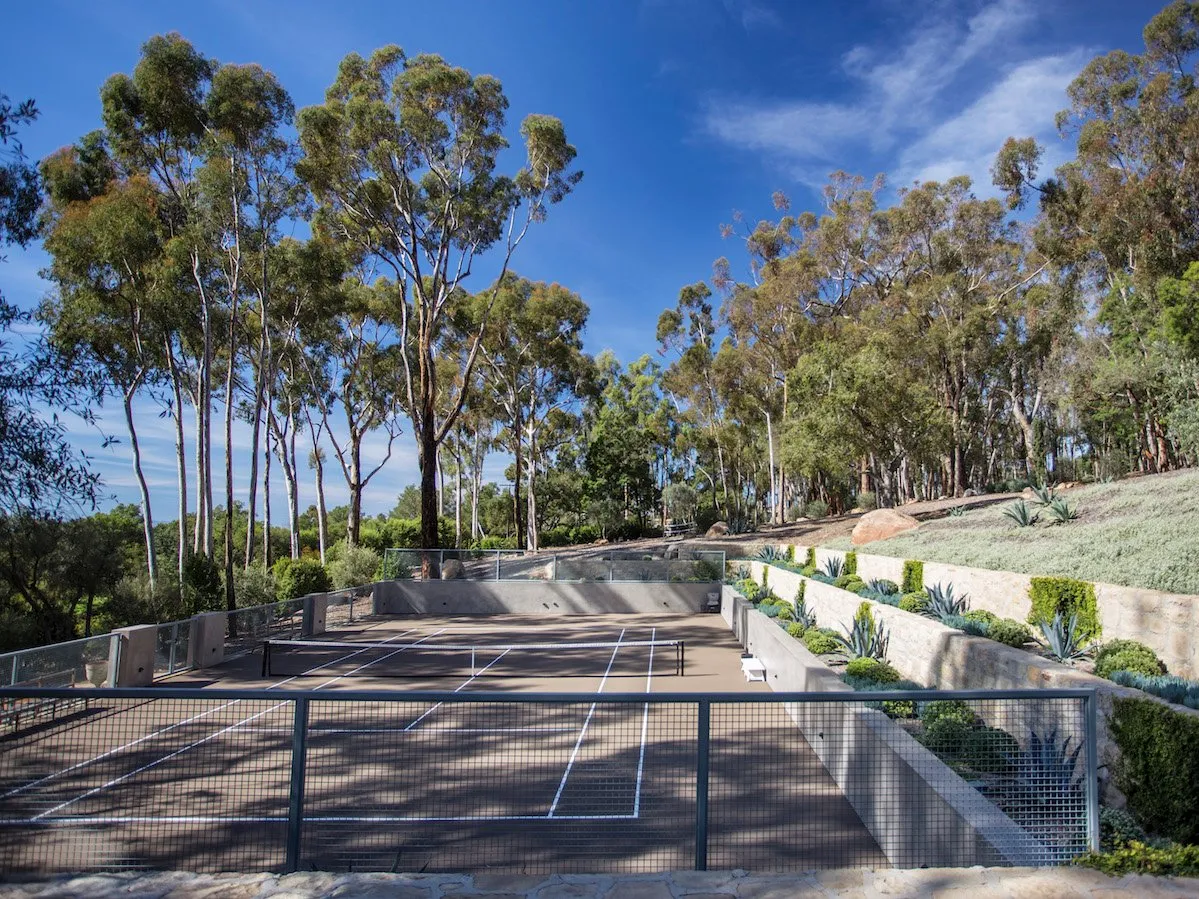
(701,785)
(497,564)
(295,805)
(1091,714)
(114,660)
(174,647)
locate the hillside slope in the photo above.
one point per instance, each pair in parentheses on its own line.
(1141,532)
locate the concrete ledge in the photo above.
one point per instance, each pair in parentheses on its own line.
(462,597)
(917,809)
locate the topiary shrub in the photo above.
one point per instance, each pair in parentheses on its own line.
(820,642)
(299,577)
(1127,655)
(1053,596)
(1158,768)
(1009,632)
(810,558)
(1117,827)
(850,565)
(948,708)
(946,735)
(913,576)
(785,613)
(873,670)
(796,629)
(850,582)
(914,602)
(808,571)
(982,616)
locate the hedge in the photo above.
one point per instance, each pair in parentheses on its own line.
(1158,768)
(913,576)
(1065,596)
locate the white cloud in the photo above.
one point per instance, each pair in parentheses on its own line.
(905,110)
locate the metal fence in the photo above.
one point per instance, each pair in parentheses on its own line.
(684,566)
(213,780)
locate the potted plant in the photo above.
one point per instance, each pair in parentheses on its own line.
(95,663)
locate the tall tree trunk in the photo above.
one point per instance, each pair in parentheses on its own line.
(354,519)
(180,454)
(147,515)
(266,500)
(231,347)
(774,502)
(517,447)
(533,538)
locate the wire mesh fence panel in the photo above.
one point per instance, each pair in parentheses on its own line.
(183,784)
(247,628)
(517,787)
(584,569)
(84,661)
(341,612)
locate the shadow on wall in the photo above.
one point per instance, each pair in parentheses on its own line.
(492,598)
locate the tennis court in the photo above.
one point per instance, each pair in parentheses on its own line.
(404,767)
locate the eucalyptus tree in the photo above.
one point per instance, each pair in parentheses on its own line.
(535,368)
(401,158)
(352,359)
(104,237)
(39,472)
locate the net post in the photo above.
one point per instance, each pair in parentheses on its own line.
(701,784)
(266,658)
(1090,714)
(295,804)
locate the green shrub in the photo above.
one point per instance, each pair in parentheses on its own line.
(1117,827)
(1009,632)
(948,709)
(816,508)
(1136,857)
(351,566)
(1127,655)
(867,501)
(946,735)
(299,577)
(796,629)
(786,613)
(913,576)
(914,602)
(820,642)
(1052,596)
(982,616)
(497,543)
(990,749)
(872,669)
(851,563)
(1158,768)
(850,582)
(808,571)
(254,586)
(810,558)
(201,588)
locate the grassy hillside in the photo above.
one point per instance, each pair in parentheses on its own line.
(1143,532)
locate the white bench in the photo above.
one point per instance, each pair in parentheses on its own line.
(752,668)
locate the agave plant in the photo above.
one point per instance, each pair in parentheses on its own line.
(943,604)
(803,614)
(883,587)
(957,511)
(867,639)
(1043,493)
(1065,639)
(833,567)
(1059,510)
(1020,513)
(1047,770)
(769,554)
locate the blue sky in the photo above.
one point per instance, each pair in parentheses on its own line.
(682,112)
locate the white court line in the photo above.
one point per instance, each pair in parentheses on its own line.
(430,711)
(320,731)
(583,732)
(222,731)
(163,730)
(649,679)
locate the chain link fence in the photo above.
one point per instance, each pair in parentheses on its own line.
(213,780)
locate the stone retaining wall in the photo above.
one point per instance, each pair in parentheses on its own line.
(917,809)
(1167,622)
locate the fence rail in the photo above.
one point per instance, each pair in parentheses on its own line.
(279,780)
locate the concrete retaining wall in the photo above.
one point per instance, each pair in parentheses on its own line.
(1167,622)
(459,597)
(930,653)
(918,810)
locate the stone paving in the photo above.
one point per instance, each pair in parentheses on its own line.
(935,883)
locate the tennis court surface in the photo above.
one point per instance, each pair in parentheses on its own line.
(371,749)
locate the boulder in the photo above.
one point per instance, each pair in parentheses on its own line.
(452,570)
(881,524)
(672,552)
(719,529)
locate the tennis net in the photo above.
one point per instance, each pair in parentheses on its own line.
(626,658)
